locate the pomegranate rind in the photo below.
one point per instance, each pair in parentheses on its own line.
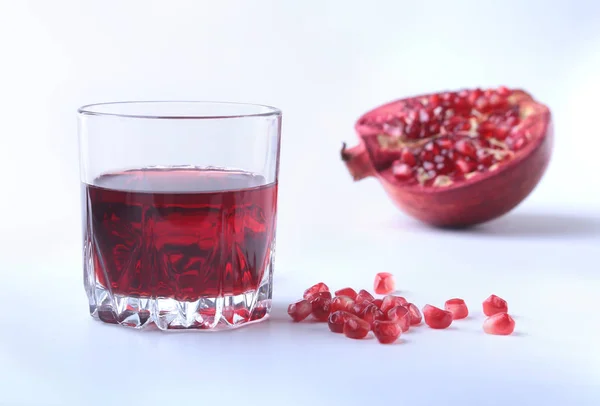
(479,199)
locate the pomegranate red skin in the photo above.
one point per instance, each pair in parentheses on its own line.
(489,196)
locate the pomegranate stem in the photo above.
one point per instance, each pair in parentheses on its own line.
(357,161)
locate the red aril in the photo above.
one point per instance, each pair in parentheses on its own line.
(391,301)
(377,302)
(386,332)
(300,310)
(437,318)
(356,328)
(359,308)
(458,158)
(400,315)
(351,293)
(341,303)
(415,314)
(499,324)
(372,313)
(321,305)
(364,296)
(313,290)
(457,307)
(493,305)
(337,319)
(384,283)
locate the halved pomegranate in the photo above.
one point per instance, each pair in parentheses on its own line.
(455,159)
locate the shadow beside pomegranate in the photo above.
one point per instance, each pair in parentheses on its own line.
(539,225)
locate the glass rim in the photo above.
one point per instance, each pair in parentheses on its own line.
(111,109)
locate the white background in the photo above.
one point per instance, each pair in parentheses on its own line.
(323,63)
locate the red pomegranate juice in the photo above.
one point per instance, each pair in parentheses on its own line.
(181,233)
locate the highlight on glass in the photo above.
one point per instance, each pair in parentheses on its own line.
(179,203)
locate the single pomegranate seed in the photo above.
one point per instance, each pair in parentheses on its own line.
(400,315)
(391,301)
(337,319)
(313,290)
(344,303)
(378,302)
(372,313)
(503,91)
(457,307)
(434,100)
(437,318)
(519,143)
(402,171)
(386,332)
(300,310)
(384,283)
(351,293)
(359,308)
(415,314)
(499,324)
(493,305)
(321,306)
(466,148)
(465,166)
(485,158)
(356,328)
(364,296)
(407,157)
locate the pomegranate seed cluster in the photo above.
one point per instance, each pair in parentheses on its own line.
(437,139)
(356,314)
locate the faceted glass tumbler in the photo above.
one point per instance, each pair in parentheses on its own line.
(179,203)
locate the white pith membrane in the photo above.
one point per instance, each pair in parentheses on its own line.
(392,139)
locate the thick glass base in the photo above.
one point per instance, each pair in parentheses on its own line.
(207,313)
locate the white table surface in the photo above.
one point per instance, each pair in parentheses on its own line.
(545,266)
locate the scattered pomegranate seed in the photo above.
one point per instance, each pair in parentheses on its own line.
(351,293)
(359,308)
(386,332)
(372,313)
(377,302)
(400,315)
(313,290)
(356,328)
(436,317)
(337,319)
(493,305)
(457,307)
(364,296)
(499,324)
(415,314)
(341,303)
(300,310)
(384,283)
(391,301)
(321,306)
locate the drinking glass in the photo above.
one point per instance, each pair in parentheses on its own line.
(179,203)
